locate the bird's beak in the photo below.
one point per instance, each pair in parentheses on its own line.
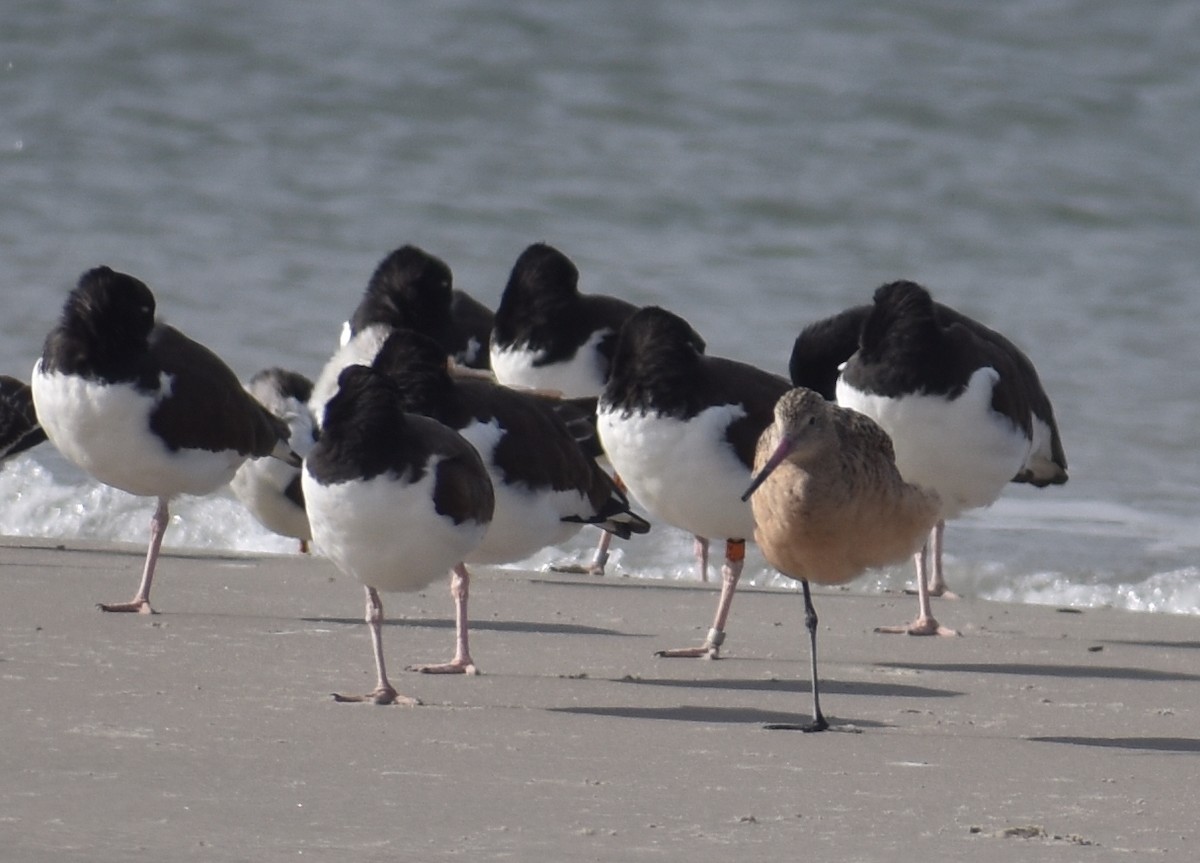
(781,452)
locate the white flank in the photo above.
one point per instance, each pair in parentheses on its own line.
(684,472)
(105,429)
(385,531)
(256,485)
(359,350)
(579,377)
(962,449)
(260,483)
(525,520)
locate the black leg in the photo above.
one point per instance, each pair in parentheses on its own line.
(810,623)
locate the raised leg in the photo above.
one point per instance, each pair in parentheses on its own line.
(810,623)
(384,693)
(460,590)
(926,623)
(735,558)
(141,601)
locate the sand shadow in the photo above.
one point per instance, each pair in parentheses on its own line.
(711,715)
(1169,645)
(487,626)
(1101,672)
(839,687)
(624,581)
(1142,744)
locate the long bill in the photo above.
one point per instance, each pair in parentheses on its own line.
(781,452)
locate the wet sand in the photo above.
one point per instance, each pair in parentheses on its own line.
(206,732)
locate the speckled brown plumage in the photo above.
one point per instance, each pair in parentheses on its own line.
(829,503)
(836,504)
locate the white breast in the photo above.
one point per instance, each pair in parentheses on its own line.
(579,377)
(962,449)
(105,429)
(683,472)
(385,531)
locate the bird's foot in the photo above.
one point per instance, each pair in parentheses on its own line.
(455,666)
(708,651)
(134,606)
(920,626)
(818,724)
(578,568)
(943,592)
(381,695)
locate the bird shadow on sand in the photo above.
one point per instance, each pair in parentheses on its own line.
(1141,744)
(835,687)
(487,626)
(1101,672)
(1169,645)
(711,715)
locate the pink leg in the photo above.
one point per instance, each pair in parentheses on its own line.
(934,578)
(141,601)
(937,580)
(925,624)
(600,557)
(384,693)
(460,589)
(735,558)
(701,552)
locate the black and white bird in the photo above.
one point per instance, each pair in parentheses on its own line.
(413,289)
(548,336)
(680,428)
(545,486)
(267,487)
(19,427)
(829,503)
(472,321)
(964,407)
(143,408)
(395,499)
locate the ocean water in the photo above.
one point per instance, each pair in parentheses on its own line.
(751,166)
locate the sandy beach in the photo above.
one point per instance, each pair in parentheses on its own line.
(206,732)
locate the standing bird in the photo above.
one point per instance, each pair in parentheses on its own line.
(395,499)
(680,428)
(409,288)
(19,428)
(548,336)
(143,408)
(963,406)
(829,503)
(545,486)
(267,487)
